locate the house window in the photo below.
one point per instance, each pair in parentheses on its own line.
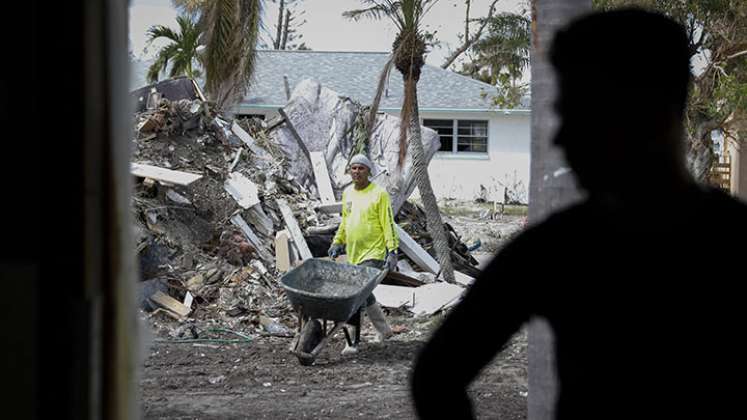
(445,130)
(473,136)
(470,135)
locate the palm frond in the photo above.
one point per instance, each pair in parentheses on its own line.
(189,6)
(162,62)
(252,23)
(220,20)
(180,65)
(374,12)
(377,97)
(232,29)
(506,47)
(160,31)
(378,9)
(426,7)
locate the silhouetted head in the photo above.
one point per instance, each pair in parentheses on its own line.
(623,79)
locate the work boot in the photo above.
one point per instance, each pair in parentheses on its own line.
(348,348)
(376,315)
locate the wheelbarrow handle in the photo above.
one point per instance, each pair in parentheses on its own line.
(381,276)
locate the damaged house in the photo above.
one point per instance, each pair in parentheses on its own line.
(484,151)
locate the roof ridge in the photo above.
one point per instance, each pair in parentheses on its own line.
(475,81)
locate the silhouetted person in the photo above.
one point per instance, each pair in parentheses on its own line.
(647,323)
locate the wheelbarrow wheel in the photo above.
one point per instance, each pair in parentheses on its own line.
(311,335)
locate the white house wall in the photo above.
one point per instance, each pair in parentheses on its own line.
(460,175)
(506,164)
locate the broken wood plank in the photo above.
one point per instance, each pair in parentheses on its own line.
(239,222)
(167,302)
(248,140)
(149,183)
(188,298)
(321,174)
(177,198)
(150,124)
(413,250)
(431,298)
(199,91)
(294,230)
(321,230)
(260,220)
(295,135)
(395,278)
(463,279)
(330,208)
(294,255)
(242,190)
(282,251)
(394,296)
(235,159)
(273,123)
(163,174)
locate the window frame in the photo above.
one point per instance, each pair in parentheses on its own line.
(455,136)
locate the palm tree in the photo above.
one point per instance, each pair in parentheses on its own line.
(181,52)
(191,7)
(501,56)
(408,57)
(546,194)
(231,32)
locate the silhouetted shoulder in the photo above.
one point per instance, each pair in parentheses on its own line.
(553,231)
(719,200)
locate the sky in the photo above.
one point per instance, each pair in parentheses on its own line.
(326,29)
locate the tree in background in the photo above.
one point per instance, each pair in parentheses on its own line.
(500,58)
(497,53)
(180,53)
(468,38)
(408,57)
(717,30)
(190,7)
(230,30)
(286,28)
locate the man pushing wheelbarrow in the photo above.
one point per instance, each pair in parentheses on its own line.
(368,237)
(322,291)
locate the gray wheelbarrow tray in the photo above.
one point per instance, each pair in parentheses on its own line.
(328,291)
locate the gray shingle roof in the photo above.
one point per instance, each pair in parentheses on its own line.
(355,74)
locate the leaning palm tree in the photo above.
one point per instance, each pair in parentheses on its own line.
(408,57)
(231,32)
(181,52)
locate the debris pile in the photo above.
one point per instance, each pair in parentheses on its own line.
(223,208)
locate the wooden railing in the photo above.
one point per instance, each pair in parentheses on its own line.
(720,175)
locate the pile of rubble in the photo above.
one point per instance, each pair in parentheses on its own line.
(223,208)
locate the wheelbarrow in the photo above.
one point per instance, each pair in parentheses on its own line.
(323,291)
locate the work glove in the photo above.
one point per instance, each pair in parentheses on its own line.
(391,261)
(336,250)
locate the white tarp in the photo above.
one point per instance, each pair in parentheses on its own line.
(323,120)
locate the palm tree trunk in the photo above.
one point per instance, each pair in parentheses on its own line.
(430,205)
(547,193)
